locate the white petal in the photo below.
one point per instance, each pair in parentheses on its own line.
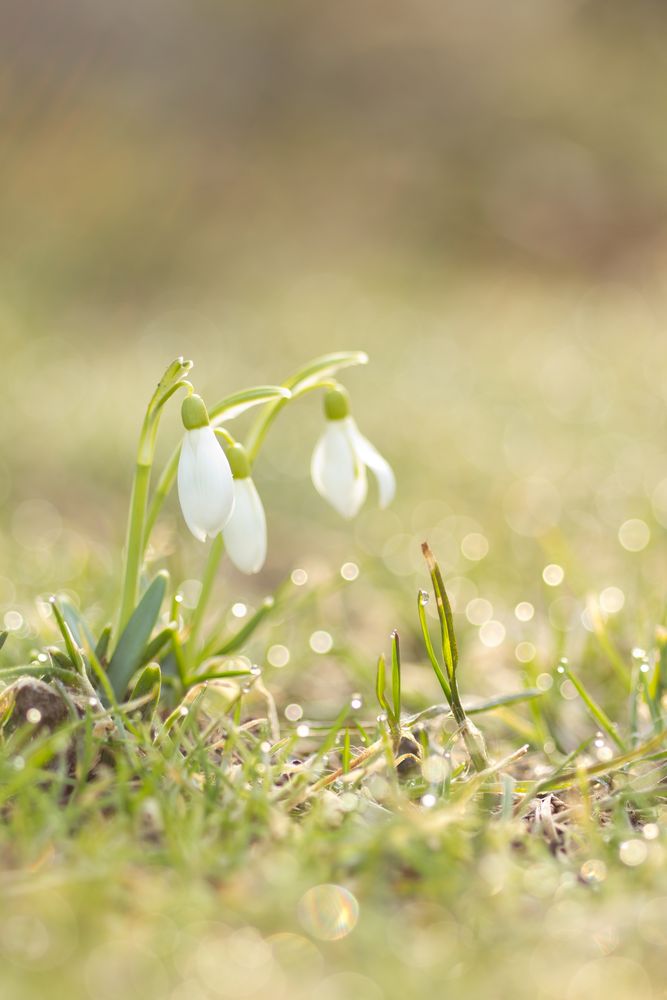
(379,466)
(336,472)
(245,532)
(205,484)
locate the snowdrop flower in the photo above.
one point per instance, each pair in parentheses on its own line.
(205,484)
(245,533)
(341,457)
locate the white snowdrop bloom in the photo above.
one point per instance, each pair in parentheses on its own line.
(245,533)
(341,457)
(205,484)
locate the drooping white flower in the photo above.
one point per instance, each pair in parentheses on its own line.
(205,484)
(341,457)
(245,533)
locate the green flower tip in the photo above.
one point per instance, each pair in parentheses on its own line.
(194,413)
(337,404)
(238,461)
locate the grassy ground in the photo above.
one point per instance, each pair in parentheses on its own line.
(219,859)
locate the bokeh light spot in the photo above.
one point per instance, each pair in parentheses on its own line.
(612,600)
(553,575)
(525,652)
(349,571)
(479,610)
(321,642)
(633,852)
(634,535)
(492,633)
(278,655)
(475,546)
(328,912)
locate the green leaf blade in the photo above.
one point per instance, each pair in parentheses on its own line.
(136,635)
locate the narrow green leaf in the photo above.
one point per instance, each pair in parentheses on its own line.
(72,648)
(65,674)
(3,638)
(449,647)
(77,623)
(148,686)
(157,644)
(132,643)
(606,644)
(422,599)
(476,708)
(102,647)
(596,711)
(238,640)
(380,684)
(60,658)
(396,673)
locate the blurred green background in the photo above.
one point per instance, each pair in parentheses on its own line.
(472,192)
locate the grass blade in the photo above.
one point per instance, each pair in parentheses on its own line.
(396,674)
(449,648)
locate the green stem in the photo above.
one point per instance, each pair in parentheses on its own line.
(260,429)
(161,492)
(212,563)
(262,426)
(134,543)
(471,736)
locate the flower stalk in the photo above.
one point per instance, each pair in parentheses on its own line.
(172,380)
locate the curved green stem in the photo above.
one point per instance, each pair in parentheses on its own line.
(162,491)
(134,549)
(308,377)
(212,563)
(260,430)
(171,381)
